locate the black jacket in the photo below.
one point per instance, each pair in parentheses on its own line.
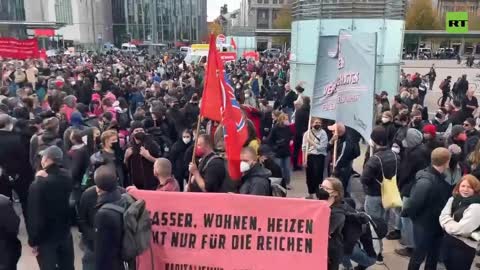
(289,99)
(14,158)
(256,182)
(79,161)
(49,214)
(391,130)
(346,148)
(301,121)
(372,173)
(413,160)
(86,215)
(335,240)
(108,233)
(177,158)
(10,246)
(279,140)
(428,197)
(140,169)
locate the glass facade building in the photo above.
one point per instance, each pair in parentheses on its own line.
(12,10)
(159,21)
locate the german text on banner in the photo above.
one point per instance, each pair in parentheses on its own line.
(197,231)
(345,80)
(18,49)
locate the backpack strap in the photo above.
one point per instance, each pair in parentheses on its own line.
(204,167)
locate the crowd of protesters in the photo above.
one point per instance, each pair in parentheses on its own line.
(75,131)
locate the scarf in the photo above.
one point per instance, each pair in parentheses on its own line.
(460,204)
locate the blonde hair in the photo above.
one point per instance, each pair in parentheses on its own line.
(281,119)
(440,156)
(474,157)
(337,186)
(107,135)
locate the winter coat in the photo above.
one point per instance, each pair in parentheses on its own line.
(177,158)
(256,182)
(279,140)
(413,160)
(49,213)
(140,169)
(462,227)
(372,174)
(429,195)
(9,244)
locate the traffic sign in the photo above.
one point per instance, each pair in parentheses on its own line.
(221,39)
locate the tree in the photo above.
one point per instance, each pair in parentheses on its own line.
(473,22)
(215,27)
(283,21)
(421,16)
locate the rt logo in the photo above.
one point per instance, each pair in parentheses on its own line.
(457,22)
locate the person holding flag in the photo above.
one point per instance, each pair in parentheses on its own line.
(219,104)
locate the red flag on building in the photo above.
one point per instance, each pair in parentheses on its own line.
(235,129)
(212,94)
(232,42)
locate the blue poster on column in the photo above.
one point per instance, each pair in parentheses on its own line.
(345,80)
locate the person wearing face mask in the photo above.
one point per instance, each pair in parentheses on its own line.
(459,219)
(255,178)
(416,120)
(176,156)
(49,217)
(389,126)
(331,191)
(428,197)
(110,154)
(210,174)
(456,167)
(140,156)
(315,144)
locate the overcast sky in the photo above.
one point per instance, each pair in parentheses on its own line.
(213,7)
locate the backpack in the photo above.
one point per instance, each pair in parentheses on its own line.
(42,145)
(443,84)
(137,226)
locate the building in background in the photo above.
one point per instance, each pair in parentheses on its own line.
(12,10)
(159,21)
(471,6)
(87,22)
(258,17)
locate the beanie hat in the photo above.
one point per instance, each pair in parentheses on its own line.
(457,130)
(414,137)
(430,129)
(379,136)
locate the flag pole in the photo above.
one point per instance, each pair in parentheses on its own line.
(335,145)
(195,147)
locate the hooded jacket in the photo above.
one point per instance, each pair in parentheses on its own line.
(9,244)
(414,159)
(256,182)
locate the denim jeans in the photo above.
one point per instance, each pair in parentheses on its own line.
(360,257)
(374,208)
(427,246)
(286,166)
(407,229)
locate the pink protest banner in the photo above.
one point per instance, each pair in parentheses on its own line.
(18,49)
(227,56)
(196,231)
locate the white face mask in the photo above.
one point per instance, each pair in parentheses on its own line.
(187,140)
(385,120)
(244,167)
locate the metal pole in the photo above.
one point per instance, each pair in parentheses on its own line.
(126,15)
(93,22)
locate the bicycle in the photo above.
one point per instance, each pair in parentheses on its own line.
(448,100)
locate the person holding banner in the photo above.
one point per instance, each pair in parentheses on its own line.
(255,179)
(347,151)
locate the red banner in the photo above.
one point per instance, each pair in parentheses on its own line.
(19,49)
(44,32)
(227,56)
(231,232)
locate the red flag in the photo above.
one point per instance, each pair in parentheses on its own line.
(212,94)
(235,129)
(232,42)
